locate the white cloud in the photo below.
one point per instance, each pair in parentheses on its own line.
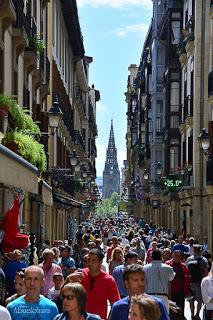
(100,107)
(118,4)
(101,158)
(140,29)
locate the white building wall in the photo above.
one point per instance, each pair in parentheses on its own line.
(8,63)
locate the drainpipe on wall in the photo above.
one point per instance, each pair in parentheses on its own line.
(202,106)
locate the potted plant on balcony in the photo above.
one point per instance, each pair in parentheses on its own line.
(37,43)
(27,147)
(5,103)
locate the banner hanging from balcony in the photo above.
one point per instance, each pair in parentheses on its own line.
(12,239)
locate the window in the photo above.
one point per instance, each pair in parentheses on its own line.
(175,14)
(160,74)
(174,141)
(174,122)
(134,103)
(159,106)
(142,137)
(158,124)
(160,56)
(150,125)
(175,97)
(173,158)
(175,32)
(175,76)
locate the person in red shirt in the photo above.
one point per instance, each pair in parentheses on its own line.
(180,283)
(99,285)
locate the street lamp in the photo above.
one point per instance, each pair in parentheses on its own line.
(159,169)
(55,115)
(146,175)
(74,158)
(204,140)
(84,171)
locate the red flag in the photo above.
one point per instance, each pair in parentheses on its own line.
(12,238)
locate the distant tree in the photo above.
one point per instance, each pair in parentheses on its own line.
(108,207)
(115,199)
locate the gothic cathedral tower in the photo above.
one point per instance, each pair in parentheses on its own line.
(111,173)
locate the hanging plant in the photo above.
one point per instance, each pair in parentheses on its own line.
(5,102)
(27,147)
(37,43)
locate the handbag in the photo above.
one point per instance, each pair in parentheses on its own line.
(175,312)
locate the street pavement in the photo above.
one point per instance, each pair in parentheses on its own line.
(188,313)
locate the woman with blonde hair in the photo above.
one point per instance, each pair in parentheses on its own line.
(117,259)
(143,308)
(74,303)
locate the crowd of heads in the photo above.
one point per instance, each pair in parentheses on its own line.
(121,240)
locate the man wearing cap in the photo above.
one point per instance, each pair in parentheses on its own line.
(66,263)
(198,268)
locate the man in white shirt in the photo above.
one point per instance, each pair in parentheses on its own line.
(207,293)
(158,276)
(4,314)
(124,240)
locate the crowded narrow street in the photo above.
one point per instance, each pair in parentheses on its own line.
(106,159)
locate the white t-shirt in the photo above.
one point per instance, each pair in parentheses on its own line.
(4,314)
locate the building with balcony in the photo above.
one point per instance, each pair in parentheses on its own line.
(169,98)
(43,64)
(24,77)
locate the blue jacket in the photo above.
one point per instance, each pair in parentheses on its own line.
(120,309)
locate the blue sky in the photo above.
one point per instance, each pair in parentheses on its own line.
(114,33)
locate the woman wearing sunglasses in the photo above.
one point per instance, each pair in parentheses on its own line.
(74,303)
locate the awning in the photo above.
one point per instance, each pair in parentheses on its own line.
(67,201)
(17,172)
(47,196)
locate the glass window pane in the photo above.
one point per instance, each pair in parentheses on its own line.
(175,97)
(175,32)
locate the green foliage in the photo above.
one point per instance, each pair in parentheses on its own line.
(30,125)
(6,100)
(30,149)
(115,199)
(78,185)
(22,120)
(108,207)
(37,43)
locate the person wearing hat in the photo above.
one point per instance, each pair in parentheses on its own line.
(198,269)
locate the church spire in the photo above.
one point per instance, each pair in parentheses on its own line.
(111,174)
(111,142)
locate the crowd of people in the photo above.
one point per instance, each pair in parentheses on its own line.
(116,269)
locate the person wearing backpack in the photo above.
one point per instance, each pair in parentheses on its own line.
(198,268)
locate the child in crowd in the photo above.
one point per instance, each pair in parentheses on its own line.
(55,291)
